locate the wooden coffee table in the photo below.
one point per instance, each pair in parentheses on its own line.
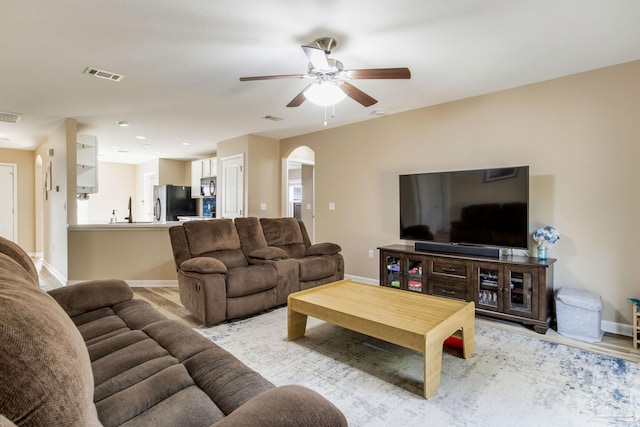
(416,321)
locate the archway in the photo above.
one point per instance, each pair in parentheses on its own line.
(300,188)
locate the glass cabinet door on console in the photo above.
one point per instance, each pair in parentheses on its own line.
(404,272)
(521,296)
(506,289)
(488,282)
(391,275)
(415,269)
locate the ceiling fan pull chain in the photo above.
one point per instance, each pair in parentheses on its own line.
(325,115)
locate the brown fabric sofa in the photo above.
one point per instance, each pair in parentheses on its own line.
(90,355)
(234,268)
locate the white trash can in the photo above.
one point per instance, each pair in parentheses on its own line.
(579,314)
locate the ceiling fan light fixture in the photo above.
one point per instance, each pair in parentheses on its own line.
(324,94)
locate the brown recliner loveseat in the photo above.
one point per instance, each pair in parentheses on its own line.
(234,268)
(91,355)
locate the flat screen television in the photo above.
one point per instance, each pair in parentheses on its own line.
(485,207)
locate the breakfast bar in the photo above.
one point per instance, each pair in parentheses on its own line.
(139,252)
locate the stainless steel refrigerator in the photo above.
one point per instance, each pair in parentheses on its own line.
(172,201)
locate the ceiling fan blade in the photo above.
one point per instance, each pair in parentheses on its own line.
(280,76)
(299,98)
(357,95)
(318,57)
(380,73)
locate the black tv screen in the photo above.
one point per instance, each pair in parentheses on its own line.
(487,207)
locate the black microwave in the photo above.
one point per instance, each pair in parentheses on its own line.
(208,187)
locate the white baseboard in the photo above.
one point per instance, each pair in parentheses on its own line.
(140,283)
(616,328)
(362,279)
(55,273)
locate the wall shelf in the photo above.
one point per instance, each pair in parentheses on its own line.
(87,164)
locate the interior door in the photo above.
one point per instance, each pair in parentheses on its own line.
(8,202)
(231,187)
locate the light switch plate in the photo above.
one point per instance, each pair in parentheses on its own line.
(332,206)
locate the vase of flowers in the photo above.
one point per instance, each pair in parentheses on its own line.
(546,237)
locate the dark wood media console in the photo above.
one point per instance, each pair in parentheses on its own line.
(512,288)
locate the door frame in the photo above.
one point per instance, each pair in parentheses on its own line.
(222,190)
(14,172)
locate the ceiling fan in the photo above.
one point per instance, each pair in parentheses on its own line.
(328,73)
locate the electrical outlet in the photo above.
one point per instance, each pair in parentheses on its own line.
(370,253)
(332,206)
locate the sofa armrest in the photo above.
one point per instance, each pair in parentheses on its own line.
(92,295)
(204,265)
(323,249)
(269,253)
(290,405)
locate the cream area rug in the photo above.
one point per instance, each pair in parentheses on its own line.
(511,379)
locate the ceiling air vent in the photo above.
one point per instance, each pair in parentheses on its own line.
(273,118)
(107,75)
(9,117)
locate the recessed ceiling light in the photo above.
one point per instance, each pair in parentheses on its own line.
(185,143)
(122,123)
(144,145)
(140,137)
(378,112)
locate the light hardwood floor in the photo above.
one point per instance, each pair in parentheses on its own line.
(167,301)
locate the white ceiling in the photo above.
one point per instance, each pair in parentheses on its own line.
(182,61)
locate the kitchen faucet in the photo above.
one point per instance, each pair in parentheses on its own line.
(130,217)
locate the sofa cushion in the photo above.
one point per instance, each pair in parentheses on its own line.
(211,235)
(226,380)
(250,233)
(250,280)
(281,231)
(316,267)
(138,378)
(45,370)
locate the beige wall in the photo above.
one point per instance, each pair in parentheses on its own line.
(60,204)
(262,172)
(173,172)
(25,163)
(263,177)
(117,184)
(579,134)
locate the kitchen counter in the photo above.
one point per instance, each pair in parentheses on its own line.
(194,218)
(122,226)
